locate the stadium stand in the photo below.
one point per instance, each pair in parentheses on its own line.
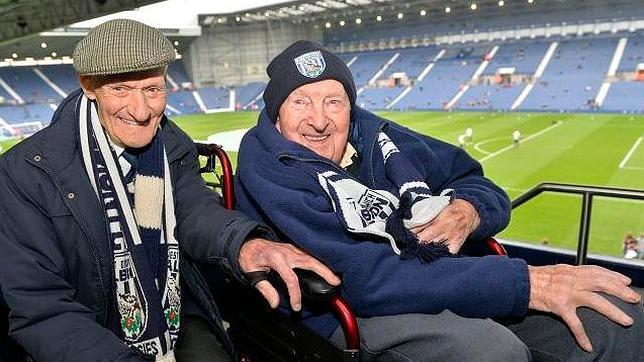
(493,92)
(183,101)
(377,98)
(62,75)
(449,74)
(573,77)
(30,87)
(177,72)
(14,115)
(29,113)
(5,97)
(412,61)
(368,64)
(246,94)
(633,54)
(490,97)
(523,56)
(215,98)
(625,97)
(408,66)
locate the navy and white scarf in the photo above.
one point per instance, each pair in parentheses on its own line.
(147,290)
(363,210)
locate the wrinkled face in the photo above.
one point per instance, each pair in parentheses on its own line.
(317,116)
(130,106)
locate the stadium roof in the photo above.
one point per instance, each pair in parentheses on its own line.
(303,11)
(315,10)
(20,18)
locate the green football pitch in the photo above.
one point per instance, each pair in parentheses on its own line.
(589,149)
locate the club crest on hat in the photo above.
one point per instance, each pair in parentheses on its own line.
(310,64)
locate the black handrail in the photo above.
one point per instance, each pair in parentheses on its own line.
(588,192)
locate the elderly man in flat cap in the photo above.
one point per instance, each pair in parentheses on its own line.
(389,209)
(104,214)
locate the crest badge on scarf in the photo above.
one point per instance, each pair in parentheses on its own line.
(310,64)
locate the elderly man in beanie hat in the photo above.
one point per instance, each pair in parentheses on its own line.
(389,210)
(104,216)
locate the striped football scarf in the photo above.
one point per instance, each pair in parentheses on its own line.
(147,291)
(363,210)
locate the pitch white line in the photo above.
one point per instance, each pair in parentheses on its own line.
(504,149)
(630,152)
(478,145)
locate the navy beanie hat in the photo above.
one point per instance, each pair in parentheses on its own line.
(303,62)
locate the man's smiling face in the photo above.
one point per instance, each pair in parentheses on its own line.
(317,115)
(130,106)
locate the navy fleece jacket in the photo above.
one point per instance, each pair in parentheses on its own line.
(277,185)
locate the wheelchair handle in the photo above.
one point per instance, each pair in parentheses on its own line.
(315,288)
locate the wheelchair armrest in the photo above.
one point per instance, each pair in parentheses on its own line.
(495,247)
(315,288)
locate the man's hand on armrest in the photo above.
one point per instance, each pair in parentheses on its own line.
(453,225)
(561,289)
(259,254)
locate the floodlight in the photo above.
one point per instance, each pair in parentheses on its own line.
(327,25)
(14,55)
(358,21)
(54,54)
(237,18)
(43,45)
(473,6)
(400,15)
(423,12)
(378,18)
(342,23)
(501,3)
(530,1)
(176,43)
(448,9)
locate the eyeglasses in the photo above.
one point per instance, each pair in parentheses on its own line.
(123,91)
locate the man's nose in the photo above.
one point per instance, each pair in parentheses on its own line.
(318,119)
(138,106)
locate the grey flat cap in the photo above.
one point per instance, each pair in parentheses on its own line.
(122,46)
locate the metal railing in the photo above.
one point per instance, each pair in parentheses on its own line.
(588,193)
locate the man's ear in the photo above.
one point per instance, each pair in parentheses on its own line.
(88,85)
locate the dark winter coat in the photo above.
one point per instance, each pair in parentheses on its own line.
(277,184)
(56,264)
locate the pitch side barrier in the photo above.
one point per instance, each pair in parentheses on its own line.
(544,256)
